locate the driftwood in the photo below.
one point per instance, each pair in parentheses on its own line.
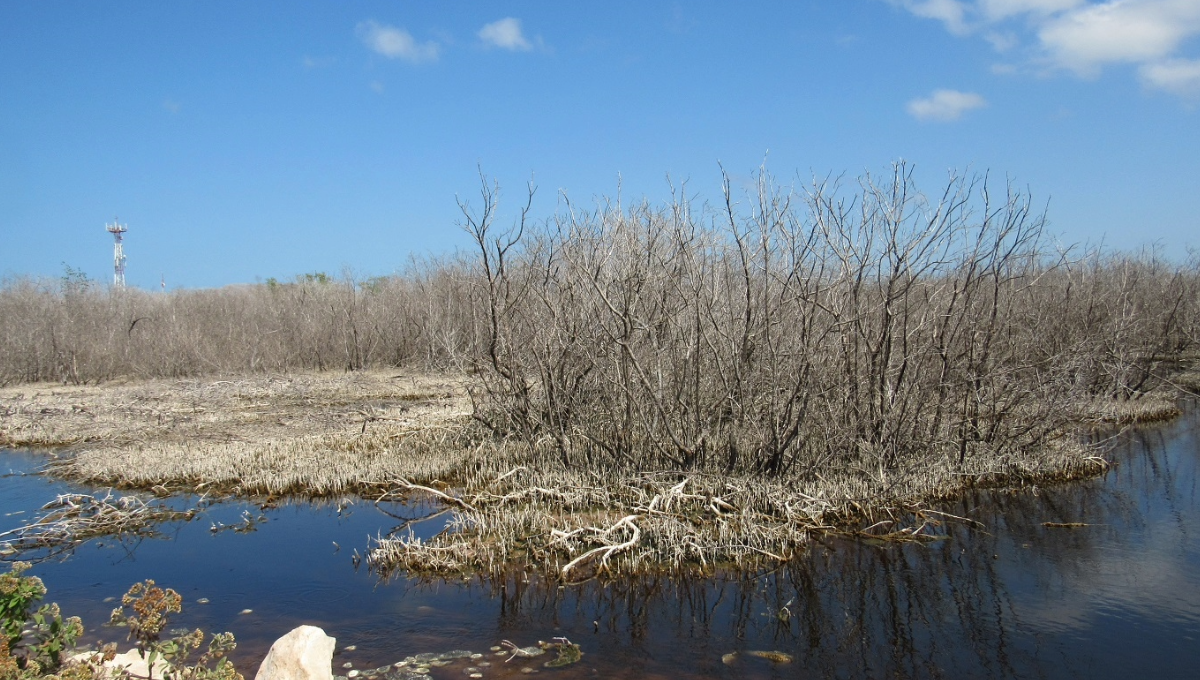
(71,519)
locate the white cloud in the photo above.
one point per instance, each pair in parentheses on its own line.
(1002,41)
(1178,76)
(1134,31)
(945,105)
(1080,36)
(396,43)
(952,13)
(1002,9)
(505,34)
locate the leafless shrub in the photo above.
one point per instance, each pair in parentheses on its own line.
(74,331)
(876,328)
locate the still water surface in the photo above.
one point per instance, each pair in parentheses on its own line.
(1013,599)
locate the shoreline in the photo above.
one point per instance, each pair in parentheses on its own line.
(384,434)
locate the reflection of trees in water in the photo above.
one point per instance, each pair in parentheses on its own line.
(851,610)
(1155,474)
(843,610)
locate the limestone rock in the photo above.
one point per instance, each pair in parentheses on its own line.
(131,662)
(306,653)
(136,666)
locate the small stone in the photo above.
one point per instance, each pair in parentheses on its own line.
(501,653)
(476,656)
(455,654)
(246,611)
(347,665)
(472,669)
(202,600)
(496,648)
(353,674)
(527,652)
(109,599)
(438,663)
(772,656)
(527,670)
(485,663)
(349,648)
(400,664)
(475,675)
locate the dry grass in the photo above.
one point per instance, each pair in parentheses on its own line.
(579,524)
(384,434)
(313,434)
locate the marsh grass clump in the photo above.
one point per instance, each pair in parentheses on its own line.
(574,524)
(315,465)
(73,518)
(306,434)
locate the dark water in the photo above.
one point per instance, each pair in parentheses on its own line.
(1015,599)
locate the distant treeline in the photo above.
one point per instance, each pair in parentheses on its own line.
(773,330)
(76,331)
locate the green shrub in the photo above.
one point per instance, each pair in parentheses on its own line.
(33,642)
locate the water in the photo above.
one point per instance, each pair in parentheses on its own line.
(1015,599)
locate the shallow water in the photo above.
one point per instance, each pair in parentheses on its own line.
(1117,599)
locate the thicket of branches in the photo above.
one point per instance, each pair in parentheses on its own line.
(774,331)
(76,331)
(785,330)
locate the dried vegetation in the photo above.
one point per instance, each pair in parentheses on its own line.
(72,518)
(678,386)
(310,434)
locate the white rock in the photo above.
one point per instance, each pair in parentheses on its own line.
(306,653)
(136,666)
(130,662)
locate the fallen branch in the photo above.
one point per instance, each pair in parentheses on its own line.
(608,550)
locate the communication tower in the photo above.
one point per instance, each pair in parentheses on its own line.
(117,229)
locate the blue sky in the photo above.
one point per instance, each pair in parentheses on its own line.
(240,141)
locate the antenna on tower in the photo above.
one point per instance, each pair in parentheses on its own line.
(117,229)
